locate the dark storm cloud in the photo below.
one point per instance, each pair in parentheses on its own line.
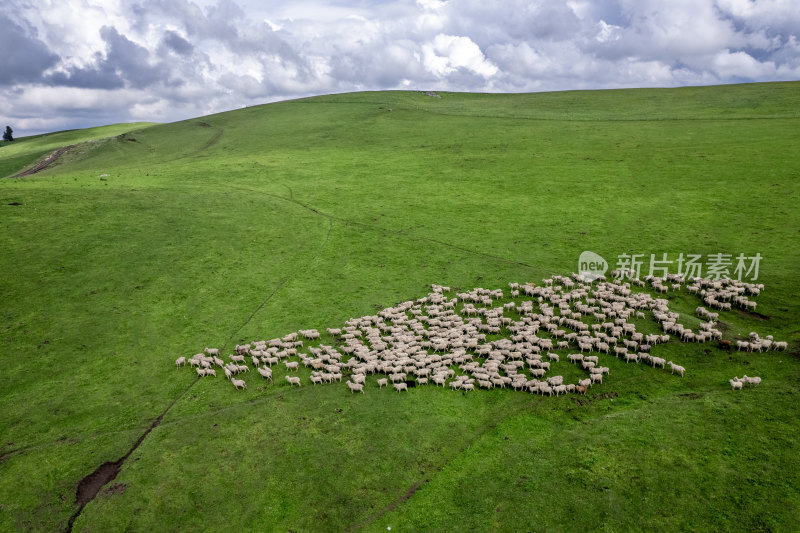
(23,57)
(102,76)
(176,43)
(131,60)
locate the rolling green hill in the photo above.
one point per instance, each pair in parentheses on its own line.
(148,242)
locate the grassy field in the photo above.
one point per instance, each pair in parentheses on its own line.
(160,240)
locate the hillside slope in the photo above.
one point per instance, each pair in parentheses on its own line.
(165,239)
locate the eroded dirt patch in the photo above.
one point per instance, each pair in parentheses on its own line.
(91,484)
(116,488)
(44,163)
(752,314)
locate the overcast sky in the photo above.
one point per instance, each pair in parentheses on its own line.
(79,63)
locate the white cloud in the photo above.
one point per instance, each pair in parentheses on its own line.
(727,64)
(88,62)
(449,52)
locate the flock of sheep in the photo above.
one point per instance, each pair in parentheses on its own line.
(484,338)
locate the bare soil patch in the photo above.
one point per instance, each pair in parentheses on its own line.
(44,163)
(752,314)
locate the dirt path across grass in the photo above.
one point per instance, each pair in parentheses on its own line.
(44,163)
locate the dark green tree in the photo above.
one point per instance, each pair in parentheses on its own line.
(8,135)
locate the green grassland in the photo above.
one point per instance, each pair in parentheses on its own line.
(155,241)
(23,152)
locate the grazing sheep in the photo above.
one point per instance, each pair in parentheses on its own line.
(355,387)
(676,368)
(180,361)
(401,386)
(754,380)
(239,383)
(242,349)
(735,384)
(293,380)
(575,357)
(403,339)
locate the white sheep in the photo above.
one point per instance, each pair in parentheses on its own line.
(180,361)
(239,383)
(676,368)
(265,372)
(401,386)
(382,382)
(291,365)
(355,387)
(242,349)
(237,358)
(575,357)
(754,380)
(735,384)
(212,351)
(293,380)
